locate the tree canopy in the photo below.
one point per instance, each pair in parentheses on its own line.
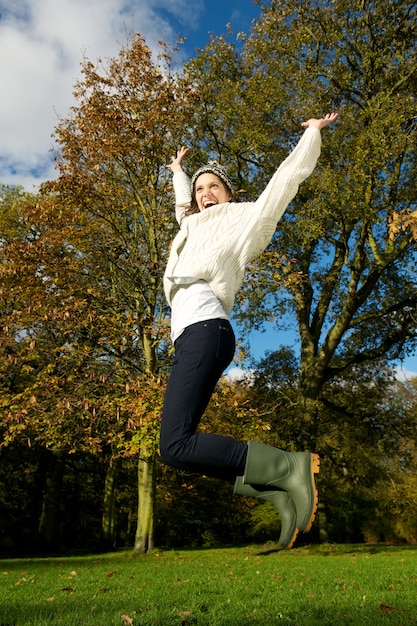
(342,262)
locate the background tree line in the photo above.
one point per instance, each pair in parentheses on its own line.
(84,326)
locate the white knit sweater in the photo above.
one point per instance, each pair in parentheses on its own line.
(216,244)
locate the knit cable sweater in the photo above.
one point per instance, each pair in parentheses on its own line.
(216,244)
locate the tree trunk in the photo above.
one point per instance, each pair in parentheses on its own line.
(108,520)
(144,539)
(322,523)
(49,519)
(311,410)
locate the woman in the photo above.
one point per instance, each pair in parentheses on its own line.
(217,238)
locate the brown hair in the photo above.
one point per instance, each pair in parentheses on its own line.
(192,206)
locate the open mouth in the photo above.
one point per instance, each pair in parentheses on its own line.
(208,204)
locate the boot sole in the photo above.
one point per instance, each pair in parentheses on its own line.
(315,469)
(291,543)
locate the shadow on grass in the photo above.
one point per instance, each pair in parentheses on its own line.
(329,549)
(267,549)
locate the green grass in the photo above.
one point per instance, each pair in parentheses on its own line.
(256,585)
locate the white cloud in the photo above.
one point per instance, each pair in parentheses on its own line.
(42,44)
(403,374)
(237,374)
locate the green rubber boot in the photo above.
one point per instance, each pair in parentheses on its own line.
(282,501)
(290,471)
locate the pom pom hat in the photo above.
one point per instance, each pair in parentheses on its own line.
(213,167)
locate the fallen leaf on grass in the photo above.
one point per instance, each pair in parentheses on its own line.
(183,615)
(126,620)
(389,609)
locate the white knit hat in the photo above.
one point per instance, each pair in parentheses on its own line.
(213,167)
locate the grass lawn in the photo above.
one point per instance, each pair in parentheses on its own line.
(328,585)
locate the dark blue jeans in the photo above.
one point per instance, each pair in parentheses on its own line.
(202,353)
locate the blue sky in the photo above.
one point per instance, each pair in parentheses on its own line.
(42,45)
(212,17)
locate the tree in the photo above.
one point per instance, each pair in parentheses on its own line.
(102,233)
(394,491)
(130,117)
(335,265)
(341,268)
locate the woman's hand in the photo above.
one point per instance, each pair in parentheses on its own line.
(176,165)
(321,123)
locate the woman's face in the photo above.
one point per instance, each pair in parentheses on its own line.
(210,190)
